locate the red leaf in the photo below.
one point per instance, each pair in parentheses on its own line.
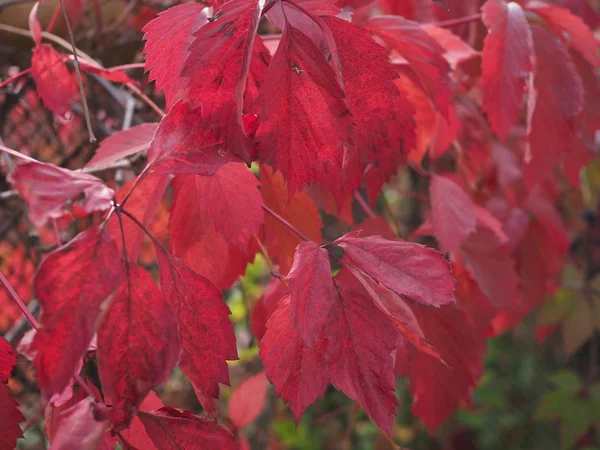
(48,190)
(247,400)
(266,305)
(507,61)
(438,388)
(376,226)
(492,267)
(180,146)
(567,25)
(167,40)
(456,49)
(72,284)
(225,67)
(10,418)
(382,115)
(298,372)
(170,429)
(8,360)
(123,144)
(213,225)
(207,337)
(143,204)
(138,344)
(397,311)
(55,85)
(558,100)
(136,435)
(453,213)
(305,122)
(422,52)
(299,210)
(360,351)
(311,290)
(82,426)
(410,270)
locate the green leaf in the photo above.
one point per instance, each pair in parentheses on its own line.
(556,308)
(575,422)
(553,404)
(566,380)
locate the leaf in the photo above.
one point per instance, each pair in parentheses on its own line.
(360,351)
(213,225)
(180,146)
(266,305)
(553,404)
(398,312)
(577,328)
(438,388)
(8,360)
(311,290)
(123,144)
(507,61)
(410,270)
(136,435)
(72,284)
(138,344)
(576,419)
(10,418)
(81,426)
(55,85)
(456,50)
(143,203)
(305,122)
(297,371)
(492,267)
(299,210)
(207,337)
(453,213)
(566,24)
(167,41)
(422,52)
(567,380)
(225,67)
(171,429)
(557,101)
(49,190)
(247,400)
(381,114)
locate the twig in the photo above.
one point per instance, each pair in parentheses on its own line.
(300,234)
(86,111)
(267,258)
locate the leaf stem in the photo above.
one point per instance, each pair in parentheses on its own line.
(86,111)
(364,205)
(14,77)
(458,21)
(16,154)
(286,223)
(32,320)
